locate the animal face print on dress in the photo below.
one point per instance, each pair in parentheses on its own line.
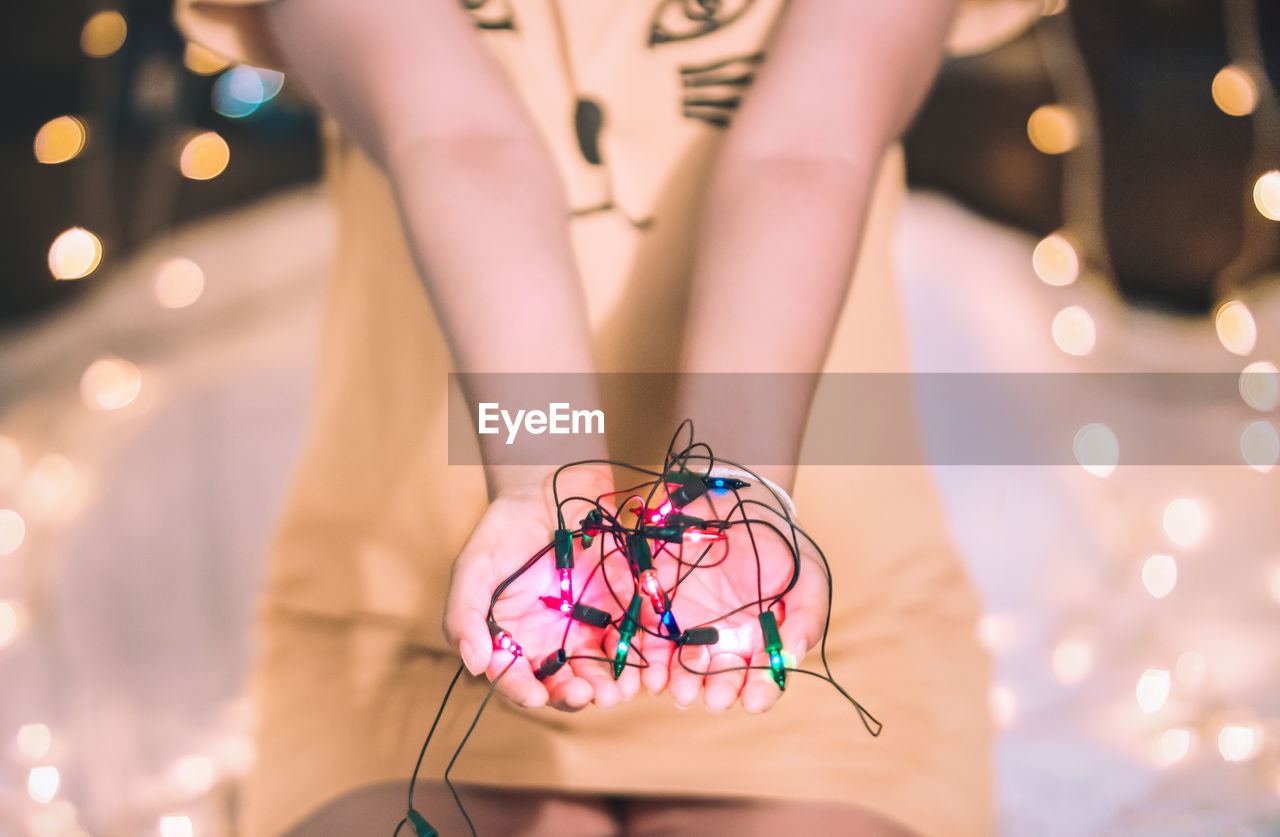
(681,20)
(490,14)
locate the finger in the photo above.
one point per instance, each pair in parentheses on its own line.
(629,681)
(658,652)
(569,693)
(518,684)
(597,673)
(684,684)
(760,692)
(464,615)
(721,689)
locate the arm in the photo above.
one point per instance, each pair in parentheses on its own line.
(411,82)
(486,221)
(790,195)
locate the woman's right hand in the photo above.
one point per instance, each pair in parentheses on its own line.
(519,522)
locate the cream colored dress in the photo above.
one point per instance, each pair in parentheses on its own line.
(353,662)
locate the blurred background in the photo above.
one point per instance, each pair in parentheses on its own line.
(1100,194)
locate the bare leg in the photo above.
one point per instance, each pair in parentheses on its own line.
(375,810)
(675,817)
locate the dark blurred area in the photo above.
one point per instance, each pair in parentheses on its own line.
(1173,193)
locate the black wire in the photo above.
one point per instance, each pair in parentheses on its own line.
(484,703)
(439,713)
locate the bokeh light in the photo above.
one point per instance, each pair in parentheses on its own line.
(33,741)
(1074,331)
(1072,660)
(1053,129)
(1260,385)
(1239,742)
(1096,449)
(1186,522)
(194,775)
(1174,744)
(1191,669)
(205,156)
(996,632)
(1273,582)
(103,34)
(201,61)
(74,254)
(10,622)
(176,825)
(1159,575)
(1266,195)
(60,140)
(1055,261)
(1260,446)
(42,783)
(12,531)
(48,488)
(1153,690)
(1003,706)
(1237,331)
(241,90)
(110,383)
(178,283)
(1234,91)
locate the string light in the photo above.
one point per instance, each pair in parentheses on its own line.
(1186,522)
(34,741)
(1055,260)
(42,783)
(178,283)
(1260,446)
(110,383)
(1234,91)
(1074,331)
(1053,129)
(1260,385)
(1153,690)
(103,34)
(60,140)
(11,614)
(204,156)
(1266,195)
(12,531)
(1159,574)
(74,254)
(1096,449)
(1174,744)
(1239,742)
(1237,331)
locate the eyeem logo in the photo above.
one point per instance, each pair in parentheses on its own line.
(558,420)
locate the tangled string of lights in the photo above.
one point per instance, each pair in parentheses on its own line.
(647,532)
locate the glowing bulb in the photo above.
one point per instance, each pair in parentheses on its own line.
(1260,446)
(1096,449)
(1260,385)
(110,383)
(178,283)
(1234,91)
(1053,129)
(48,488)
(201,61)
(1072,660)
(1003,706)
(12,531)
(241,90)
(503,641)
(1055,261)
(103,34)
(1153,690)
(1239,742)
(204,156)
(995,632)
(10,622)
(194,775)
(1266,195)
(176,826)
(74,254)
(1191,668)
(1174,744)
(10,462)
(1236,329)
(60,140)
(1159,574)
(42,784)
(1074,331)
(34,741)
(1186,522)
